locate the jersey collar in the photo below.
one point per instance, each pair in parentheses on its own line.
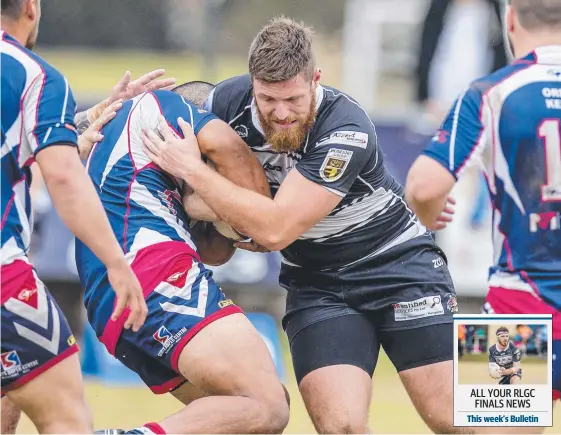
(7,37)
(546,55)
(255,117)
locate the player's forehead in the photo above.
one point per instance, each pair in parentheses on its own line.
(296,86)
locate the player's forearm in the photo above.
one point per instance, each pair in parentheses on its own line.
(78,205)
(248,212)
(197,209)
(426,209)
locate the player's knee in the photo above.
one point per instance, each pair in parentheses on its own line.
(276,413)
(342,425)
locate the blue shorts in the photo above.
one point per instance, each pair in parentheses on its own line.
(35,333)
(182,298)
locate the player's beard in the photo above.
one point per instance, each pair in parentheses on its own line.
(32,40)
(290,139)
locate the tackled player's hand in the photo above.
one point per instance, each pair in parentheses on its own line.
(130,297)
(125,90)
(170,152)
(93,135)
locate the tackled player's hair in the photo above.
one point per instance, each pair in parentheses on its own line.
(196,91)
(281,50)
(12,9)
(535,15)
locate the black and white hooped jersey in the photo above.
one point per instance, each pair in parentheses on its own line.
(506,357)
(341,154)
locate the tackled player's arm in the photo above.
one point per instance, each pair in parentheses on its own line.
(456,146)
(231,157)
(308,194)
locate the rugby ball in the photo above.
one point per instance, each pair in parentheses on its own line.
(494,371)
(222,227)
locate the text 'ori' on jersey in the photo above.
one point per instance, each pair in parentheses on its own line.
(340,153)
(510,123)
(143,203)
(37,111)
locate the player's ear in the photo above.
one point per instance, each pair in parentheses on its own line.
(510,18)
(31,9)
(316,77)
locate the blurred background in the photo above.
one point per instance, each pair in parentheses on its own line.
(405,61)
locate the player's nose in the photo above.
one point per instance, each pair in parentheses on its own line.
(281,111)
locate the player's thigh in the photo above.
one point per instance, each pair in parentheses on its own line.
(10,415)
(64,408)
(187,393)
(423,358)
(334,360)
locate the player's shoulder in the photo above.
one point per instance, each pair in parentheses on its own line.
(231,96)
(32,66)
(483,85)
(342,120)
(493,349)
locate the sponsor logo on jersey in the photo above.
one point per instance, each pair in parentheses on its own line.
(441,136)
(335,164)
(550,220)
(12,365)
(351,138)
(419,308)
(242,131)
(167,339)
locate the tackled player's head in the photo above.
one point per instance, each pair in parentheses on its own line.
(503,336)
(284,75)
(196,91)
(20,18)
(531,23)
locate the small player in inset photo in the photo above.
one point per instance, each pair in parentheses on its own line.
(504,359)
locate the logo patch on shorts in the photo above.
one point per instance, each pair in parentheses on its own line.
(418,309)
(162,335)
(71,340)
(225,303)
(452,303)
(10,360)
(335,164)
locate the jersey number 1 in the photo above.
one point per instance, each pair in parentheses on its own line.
(550,131)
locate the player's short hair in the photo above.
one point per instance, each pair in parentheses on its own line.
(501,330)
(12,9)
(281,50)
(196,91)
(538,14)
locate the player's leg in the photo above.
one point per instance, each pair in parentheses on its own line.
(334,360)
(193,332)
(10,416)
(229,361)
(39,354)
(64,408)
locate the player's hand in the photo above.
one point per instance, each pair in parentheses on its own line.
(93,135)
(129,296)
(171,153)
(251,246)
(502,371)
(445,216)
(125,90)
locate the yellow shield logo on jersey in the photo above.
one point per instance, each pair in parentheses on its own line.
(335,164)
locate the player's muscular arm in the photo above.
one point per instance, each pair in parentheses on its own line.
(232,158)
(195,207)
(427,188)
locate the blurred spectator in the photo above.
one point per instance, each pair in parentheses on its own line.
(461,40)
(522,338)
(461,340)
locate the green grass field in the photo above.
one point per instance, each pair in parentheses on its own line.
(390,412)
(475,371)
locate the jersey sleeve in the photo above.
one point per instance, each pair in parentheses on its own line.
(337,158)
(49,110)
(491,357)
(229,98)
(462,137)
